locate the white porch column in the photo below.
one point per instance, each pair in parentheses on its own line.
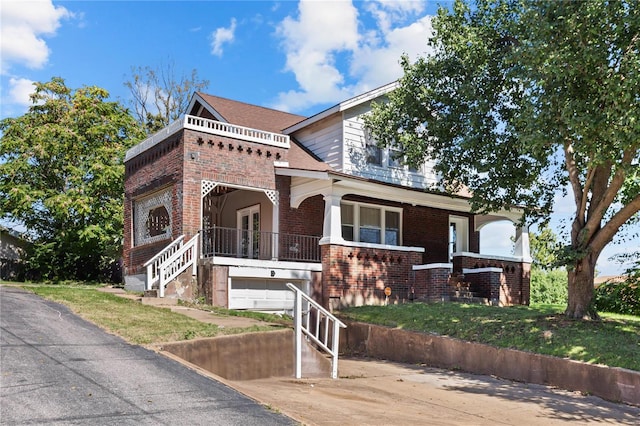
(332,227)
(522,243)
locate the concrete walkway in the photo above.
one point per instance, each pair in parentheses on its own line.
(374,392)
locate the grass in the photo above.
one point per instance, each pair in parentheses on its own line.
(613,341)
(133,321)
(543,329)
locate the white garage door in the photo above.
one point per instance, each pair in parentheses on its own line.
(261,294)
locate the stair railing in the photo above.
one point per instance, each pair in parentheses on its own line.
(184,257)
(153,265)
(318,325)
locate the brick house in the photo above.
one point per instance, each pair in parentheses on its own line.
(234,200)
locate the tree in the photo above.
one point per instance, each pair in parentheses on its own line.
(544,248)
(521,98)
(159,96)
(61,174)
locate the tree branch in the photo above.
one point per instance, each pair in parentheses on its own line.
(574,180)
(608,231)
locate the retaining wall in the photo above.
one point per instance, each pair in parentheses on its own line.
(614,384)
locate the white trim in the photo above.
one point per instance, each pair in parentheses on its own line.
(280,164)
(433,266)
(492,257)
(357,223)
(480,270)
(267,264)
(311,174)
(346,243)
(343,106)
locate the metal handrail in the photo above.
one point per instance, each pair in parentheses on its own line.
(263,245)
(306,307)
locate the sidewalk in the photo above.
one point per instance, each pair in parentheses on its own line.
(374,392)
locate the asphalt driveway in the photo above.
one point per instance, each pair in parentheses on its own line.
(56,368)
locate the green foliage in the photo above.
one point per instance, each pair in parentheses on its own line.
(522,98)
(61,175)
(619,297)
(548,287)
(544,248)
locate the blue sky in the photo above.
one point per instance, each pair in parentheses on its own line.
(298,56)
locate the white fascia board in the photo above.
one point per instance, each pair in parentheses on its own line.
(197,98)
(406,196)
(343,106)
(264,265)
(311,174)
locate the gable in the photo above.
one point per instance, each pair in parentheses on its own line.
(242,114)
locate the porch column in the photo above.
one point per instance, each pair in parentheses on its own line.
(522,243)
(332,227)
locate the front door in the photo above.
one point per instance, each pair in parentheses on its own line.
(249,232)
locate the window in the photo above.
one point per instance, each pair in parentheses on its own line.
(158,221)
(374,154)
(152,218)
(371,224)
(346,211)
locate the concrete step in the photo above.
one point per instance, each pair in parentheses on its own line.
(158,301)
(475,299)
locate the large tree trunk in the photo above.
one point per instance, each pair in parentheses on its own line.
(581,277)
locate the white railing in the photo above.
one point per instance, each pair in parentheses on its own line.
(153,265)
(209,126)
(234,131)
(319,325)
(186,256)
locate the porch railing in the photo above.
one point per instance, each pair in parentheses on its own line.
(262,245)
(152,265)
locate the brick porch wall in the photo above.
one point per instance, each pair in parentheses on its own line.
(513,281)
(354,276)
(431,282)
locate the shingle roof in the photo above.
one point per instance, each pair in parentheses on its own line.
(271,120)
(253,116)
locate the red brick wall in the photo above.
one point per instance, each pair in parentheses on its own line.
(307,219)
(356,276)
(182,162)
(429,228)
(156,168)
(514,282)
(432,284)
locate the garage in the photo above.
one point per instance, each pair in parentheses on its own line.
(262,294)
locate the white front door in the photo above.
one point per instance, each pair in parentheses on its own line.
(249,232)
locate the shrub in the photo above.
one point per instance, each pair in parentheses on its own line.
(549,287)
(619,297)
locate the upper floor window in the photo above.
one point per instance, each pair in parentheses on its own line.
(371,224)
(373,154)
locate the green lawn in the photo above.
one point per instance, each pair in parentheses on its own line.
(135,322)
(613,341)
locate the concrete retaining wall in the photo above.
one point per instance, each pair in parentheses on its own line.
(251,356)
(614,384)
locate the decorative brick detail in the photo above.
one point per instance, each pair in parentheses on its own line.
(354,276)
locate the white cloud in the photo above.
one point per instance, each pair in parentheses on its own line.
(23,25)
(326,34)
(222,36)
(19,91)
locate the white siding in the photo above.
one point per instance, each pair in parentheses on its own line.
(355,159)
(324,139)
